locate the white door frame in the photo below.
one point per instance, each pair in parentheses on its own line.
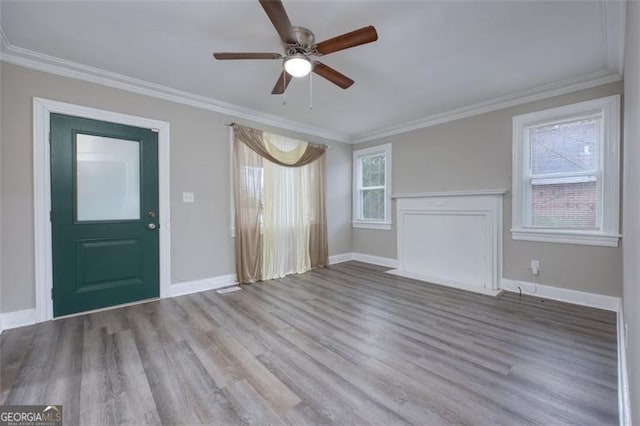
(42,109)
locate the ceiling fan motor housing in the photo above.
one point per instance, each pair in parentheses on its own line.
(305,43)
(304,36)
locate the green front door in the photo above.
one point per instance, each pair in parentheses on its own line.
(104,214)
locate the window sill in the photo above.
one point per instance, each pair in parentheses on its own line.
(371,225)
(566,237)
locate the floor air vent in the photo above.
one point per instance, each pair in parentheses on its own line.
(229,289)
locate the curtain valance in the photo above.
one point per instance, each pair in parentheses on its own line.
(302,155)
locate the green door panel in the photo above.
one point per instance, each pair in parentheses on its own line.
(104,253)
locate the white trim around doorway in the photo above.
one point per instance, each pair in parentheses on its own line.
(42,109)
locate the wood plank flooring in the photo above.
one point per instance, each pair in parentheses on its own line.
(347,344)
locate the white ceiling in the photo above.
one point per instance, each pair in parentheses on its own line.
(431,57)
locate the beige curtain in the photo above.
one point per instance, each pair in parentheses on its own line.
(318,243)
(247,187)
(292,237)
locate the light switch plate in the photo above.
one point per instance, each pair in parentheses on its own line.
(188,197)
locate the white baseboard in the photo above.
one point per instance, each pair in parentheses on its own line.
(375,260)
(339,258)
(448,283)
(361,257)
(593,300)
(16,319)
(624,401)
(180,289)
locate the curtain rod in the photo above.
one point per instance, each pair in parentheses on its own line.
(328,147)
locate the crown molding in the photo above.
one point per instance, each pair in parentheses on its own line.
(562,87)
(613,17)
(41,62)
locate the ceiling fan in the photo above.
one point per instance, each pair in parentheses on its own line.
(300,46)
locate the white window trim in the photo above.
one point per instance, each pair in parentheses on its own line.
(372,224)
(608,235)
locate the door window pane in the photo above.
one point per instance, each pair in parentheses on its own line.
(108,178)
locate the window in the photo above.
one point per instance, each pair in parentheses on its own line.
(372,187)
(566,174)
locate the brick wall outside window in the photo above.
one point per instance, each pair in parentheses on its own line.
(564,205)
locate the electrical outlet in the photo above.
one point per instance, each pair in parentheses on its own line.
(535,267)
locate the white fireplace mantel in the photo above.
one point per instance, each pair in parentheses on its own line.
(450,193)
(451,238)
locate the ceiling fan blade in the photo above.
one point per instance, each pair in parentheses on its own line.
(332,75)
(282,83)
(247,55)
(354,38)
(278,16)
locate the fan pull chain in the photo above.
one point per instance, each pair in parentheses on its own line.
(311,90)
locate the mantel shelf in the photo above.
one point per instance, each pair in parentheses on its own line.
(501,191)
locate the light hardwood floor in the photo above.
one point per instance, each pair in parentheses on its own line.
(344,345)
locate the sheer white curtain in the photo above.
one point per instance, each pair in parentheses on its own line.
(287,212)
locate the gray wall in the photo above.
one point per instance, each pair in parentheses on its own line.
(631,205)
(475,153)
(201,243)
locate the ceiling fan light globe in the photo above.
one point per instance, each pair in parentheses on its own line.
(297,66)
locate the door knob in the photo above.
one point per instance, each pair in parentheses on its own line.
(151,226)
